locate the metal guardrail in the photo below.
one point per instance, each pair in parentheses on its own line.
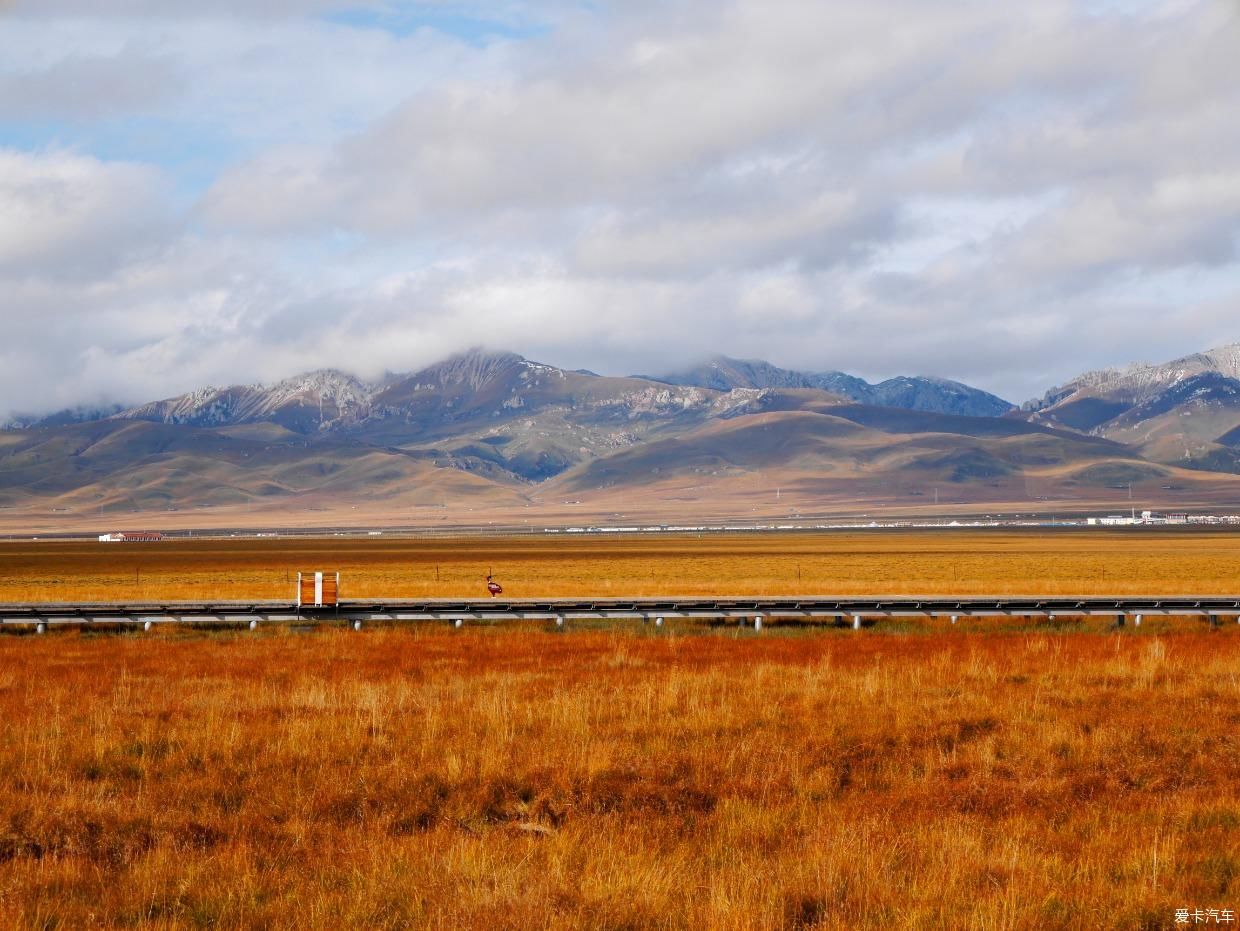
(559,610)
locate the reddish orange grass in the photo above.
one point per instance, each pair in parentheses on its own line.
(520,778)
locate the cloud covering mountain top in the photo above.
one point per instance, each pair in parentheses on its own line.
(1004,196)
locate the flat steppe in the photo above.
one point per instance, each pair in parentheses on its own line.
(1022,775)
(878,562)
(520,778)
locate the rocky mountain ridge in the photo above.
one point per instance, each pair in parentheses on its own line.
(320,400)
(918,393)
(1139,381)
(70,415)
(1182,412)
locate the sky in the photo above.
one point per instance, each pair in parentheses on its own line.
(200,194)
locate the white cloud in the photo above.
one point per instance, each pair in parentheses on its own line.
(69,215)
(999,193)
(87,87)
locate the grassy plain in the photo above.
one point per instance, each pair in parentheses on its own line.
(874,562)
(523,779)
(992,776)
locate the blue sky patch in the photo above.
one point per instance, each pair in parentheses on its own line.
(479,31)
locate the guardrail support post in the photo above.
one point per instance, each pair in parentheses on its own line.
(1119,621)
(757,622)
(41,627)
(1213,621)
(458,623)
(658,622)
(856,622)
(955,618)
(559,620)
(254,624)
(147,625)
(1136,620)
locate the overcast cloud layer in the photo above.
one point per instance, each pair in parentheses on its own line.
(1006,194)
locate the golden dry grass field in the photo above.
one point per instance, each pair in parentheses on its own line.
(518,778)
(876,562)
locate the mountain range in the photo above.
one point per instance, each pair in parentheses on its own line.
(919,393)
(487,436)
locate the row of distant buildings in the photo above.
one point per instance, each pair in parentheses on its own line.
(131,536)
(1172,519)
(1145,518)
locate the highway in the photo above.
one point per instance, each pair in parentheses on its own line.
(754,610)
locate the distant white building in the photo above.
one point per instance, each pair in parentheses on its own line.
(131,536)
(1113,520)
